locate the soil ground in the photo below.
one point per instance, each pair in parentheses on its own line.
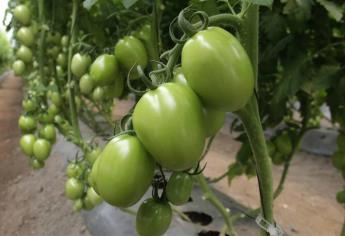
(33,202)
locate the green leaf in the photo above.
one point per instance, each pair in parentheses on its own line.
(128,3)
(87,4)
(244,154)
(334,11)
(267,3)
(323,78)
(235,169)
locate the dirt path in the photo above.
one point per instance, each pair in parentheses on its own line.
(31,202)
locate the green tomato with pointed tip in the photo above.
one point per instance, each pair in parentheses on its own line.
(25,54)
(80,64)
(18,67)
(27,143)
(25,36)
(105,70)
(22,14)
(86,84)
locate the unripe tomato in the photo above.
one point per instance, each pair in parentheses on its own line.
(53,110)
(80,64)
(29,105)
(27,143)
(59,71)
(283,144)
(179,188)
(24,53)
(277,158)
(41,149)
(18,67)
(22,14)
(73,170)
(105,70)
(144,33)
(25,36)
(176,144)
(114,90)
(78,205)
(123,172)
(61,60)
(74,189)
(92,156)
(46,117)
(153,218)
(56,98)
(92,197)
(86,84)
(36,164)
(214,119)
(27,123)
(130,52)
(48,132)
(218,69)
(64,41)
(98,94)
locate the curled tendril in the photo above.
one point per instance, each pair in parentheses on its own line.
(131,88)
(144,78)
(187,26)
(173,25)
(155,75)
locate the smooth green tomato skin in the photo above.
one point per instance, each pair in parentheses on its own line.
(18,67)
(41,149)
(86,84)
(153,218)
(131,52)
(105,70)
(92,197)
(26,144)
(25,36)
(25,54)
(27,123)
(22,14)
(98,94)
(169,122)
(123,172)
(92,156)
(74,189)
(29,105)
(80,64)
(218,69)
(48,132)
(179,188)
(36,164)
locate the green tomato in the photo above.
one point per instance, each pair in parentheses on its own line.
(27,123)
(123,172)
(24,53)
(22,14)
(18,67)
(53,110)
(29,105)
(61,60)
(283,144)
(77,205)
(36,164)
(179,188)
(56,98)
(153,218)
(214,119)
(59,71)
(80,64)
(105,70)
(41,149)
(25,36)
(55,51)
(92,156)
(98,94)
(114,90)
(130,52)
(46,117)
(218,69)
(27,143)
(64,41)
(74,189)
(48,132)
(73,170)
(277,158)
(144,33)
(338,159)
(86,84)
(169,122)
(92,197)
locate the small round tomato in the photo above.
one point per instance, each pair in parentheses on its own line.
(131,52)
(92,197)
(61,60)
(105,70)
(29,105)
(27,143)
(153,218)
(218,69)
(56,98)
(48,132)
(92,156)
(181,141)
(73,170)
(123,172)
(86,84)
(53,110)
(22,14)
(36,164)
(27,123)
(74,189)
(98,94)
(25,36)
(46,117)
(179,188)
(64,41)
(80,64)
(24,53)
(41,149)
(18,67)
(78,205)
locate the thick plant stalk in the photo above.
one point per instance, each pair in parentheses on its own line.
(71,99)
(251,119)
(41,39)
(209,196)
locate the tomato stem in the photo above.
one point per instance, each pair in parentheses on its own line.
(155,38)
(41,40)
